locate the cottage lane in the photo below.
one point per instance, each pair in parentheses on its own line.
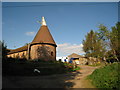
(69,80)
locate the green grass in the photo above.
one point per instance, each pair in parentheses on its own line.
(106,77)
(95,65)
(77,68)
(71,68)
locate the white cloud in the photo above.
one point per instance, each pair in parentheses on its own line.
(63,45)
(30,33)
(67,49)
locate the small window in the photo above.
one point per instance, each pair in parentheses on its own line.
(51,53)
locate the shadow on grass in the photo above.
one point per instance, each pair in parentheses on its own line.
(48,81)
(21,75)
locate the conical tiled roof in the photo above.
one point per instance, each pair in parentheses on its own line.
(43,36)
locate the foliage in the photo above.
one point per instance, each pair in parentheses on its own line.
(110,57)
(111,40)
(70,67)
(104,34)
(104,43)
(0,49)
(75,69)
(106,77)
(115,40)
(4,49)
(92,45)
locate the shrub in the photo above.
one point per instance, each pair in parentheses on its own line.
(106,77)
(70,67)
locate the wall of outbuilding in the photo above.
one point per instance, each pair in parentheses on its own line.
(22,54)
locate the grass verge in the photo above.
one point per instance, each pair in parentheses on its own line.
(106,77)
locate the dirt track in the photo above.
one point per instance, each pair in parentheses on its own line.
(69,80)
(80,80)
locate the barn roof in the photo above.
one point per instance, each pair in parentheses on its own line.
(24,48)
(74,55)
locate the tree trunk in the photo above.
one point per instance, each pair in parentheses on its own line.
(115,55)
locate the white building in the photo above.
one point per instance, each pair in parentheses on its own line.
(62,59)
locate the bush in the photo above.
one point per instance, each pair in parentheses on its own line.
(70,67)
(106,77)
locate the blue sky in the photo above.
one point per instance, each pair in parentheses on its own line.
(60,0)
(67,22)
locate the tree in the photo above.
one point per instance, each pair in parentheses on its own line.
(0,50)
(104,35)
(110,39)
(115,41)
(4,50)
(92,45)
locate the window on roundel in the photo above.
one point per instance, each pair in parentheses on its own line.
(51,53)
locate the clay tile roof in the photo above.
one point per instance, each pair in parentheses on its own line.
(24,48)
(44,36)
